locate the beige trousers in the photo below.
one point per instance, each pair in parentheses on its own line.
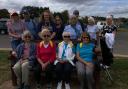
(22,71)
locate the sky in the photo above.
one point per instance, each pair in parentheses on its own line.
(118,8)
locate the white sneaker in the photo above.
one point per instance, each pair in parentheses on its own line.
(59,85)
(67,86)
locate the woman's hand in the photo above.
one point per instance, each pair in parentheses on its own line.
(89,64)
(44,65)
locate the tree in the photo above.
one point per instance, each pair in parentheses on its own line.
(4,13)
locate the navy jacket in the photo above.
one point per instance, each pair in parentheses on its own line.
(32,54)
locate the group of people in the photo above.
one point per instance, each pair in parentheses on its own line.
(49,44)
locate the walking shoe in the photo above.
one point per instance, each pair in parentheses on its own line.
(49,86)
(26,87)
(67,86)
(59,85)
(38,86)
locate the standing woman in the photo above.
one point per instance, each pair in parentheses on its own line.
(64,62)
(59,28)
(47,21)
(46,54)
(15,30)
(107,39)
(92,30)
(85,65)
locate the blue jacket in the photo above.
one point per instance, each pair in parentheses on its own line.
(32,54)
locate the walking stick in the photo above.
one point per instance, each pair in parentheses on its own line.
(103,66)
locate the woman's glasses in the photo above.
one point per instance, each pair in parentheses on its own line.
(86,37)
(66,36)
(27,36)
(46,36)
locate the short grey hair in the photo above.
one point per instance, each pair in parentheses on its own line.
(66,33)
(25,33)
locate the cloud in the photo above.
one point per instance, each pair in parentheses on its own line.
(86,7)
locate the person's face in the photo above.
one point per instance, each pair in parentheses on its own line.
(66,37)
(90,22)
(73,20)
(15,18)
(46,16)
(27,38)
(26,16)
(46,36)
(85,39)
(109,20)
(58,20)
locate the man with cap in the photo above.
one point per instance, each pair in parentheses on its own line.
(76,13)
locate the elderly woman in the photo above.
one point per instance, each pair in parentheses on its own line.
(74,28)
(85,64)
(108,33)
(92,30)
(64,62)
(46,54)
(26,56)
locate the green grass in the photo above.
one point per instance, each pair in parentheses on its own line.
(119,72)
(4,67)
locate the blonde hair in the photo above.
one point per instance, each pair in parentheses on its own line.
(44,30)
(91,19)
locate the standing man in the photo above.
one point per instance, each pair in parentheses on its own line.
(30,24)
(76,13)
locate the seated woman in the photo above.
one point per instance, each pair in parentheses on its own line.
(85,64)
(64,62)
(26,56)
(46,54)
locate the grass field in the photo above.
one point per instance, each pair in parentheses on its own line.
(119,72)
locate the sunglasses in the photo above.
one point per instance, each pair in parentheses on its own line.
(66,36)
(85,37)
(46,35)
(27,37)
(57,19)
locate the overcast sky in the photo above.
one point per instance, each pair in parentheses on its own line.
(119,8)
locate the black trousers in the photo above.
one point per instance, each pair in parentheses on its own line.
(48,73)
(63,71)
(106,53)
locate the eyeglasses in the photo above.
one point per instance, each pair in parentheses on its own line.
(46,35)
(85,37)
(57,19)
(27,36)
(66,36)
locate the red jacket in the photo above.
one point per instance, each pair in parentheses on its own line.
(46,54)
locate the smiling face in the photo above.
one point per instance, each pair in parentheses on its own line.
(26,36)
(73,20)
(46,35)
(46,16)
(58,20)
(109,21)
(66,37)
(85,38)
